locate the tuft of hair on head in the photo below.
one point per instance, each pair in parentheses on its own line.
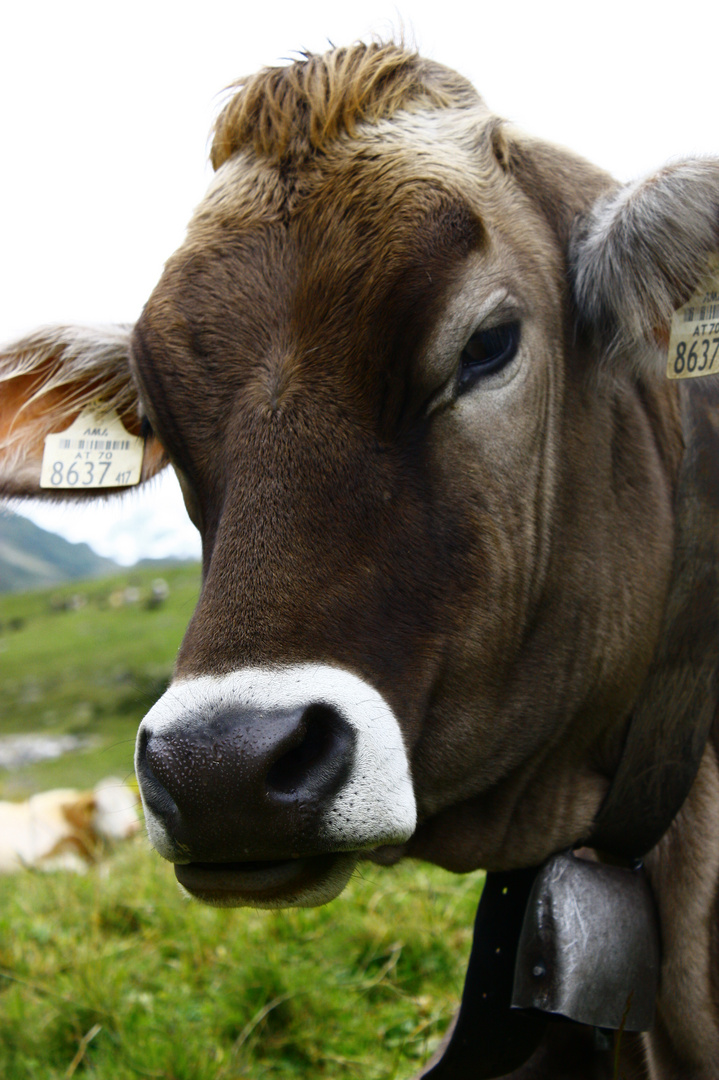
(296,110)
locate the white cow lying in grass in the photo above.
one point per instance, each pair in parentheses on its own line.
(66,829)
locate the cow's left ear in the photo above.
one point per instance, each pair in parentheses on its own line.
(46,381)
(635,252)
(639,253)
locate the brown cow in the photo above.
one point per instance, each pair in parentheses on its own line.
(65,829)
(409,367)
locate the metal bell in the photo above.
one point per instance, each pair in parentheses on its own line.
(589,947)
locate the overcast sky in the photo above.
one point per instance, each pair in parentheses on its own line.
(105,110)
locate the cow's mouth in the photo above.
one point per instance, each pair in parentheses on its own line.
(302,882)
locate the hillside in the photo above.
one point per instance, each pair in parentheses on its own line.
(31,558)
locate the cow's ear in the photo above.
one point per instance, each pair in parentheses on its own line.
(639,253)
(46,380)
(635,252)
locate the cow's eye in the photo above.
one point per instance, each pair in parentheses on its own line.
(487,351)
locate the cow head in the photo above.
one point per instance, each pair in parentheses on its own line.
(407,367)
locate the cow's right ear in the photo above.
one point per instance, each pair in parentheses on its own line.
(46,380)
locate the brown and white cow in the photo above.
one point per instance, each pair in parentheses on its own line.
(409,367)
(65,829)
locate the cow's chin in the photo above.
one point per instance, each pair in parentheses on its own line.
(281,883)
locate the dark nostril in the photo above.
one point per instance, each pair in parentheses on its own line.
(156,795)
(246,784)
(319,763)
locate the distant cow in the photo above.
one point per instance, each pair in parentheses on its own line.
(458,527)
(65,829)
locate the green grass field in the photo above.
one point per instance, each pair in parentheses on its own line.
(72,663)
(114,975)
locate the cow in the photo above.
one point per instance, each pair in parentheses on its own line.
(66,829)
(409,366)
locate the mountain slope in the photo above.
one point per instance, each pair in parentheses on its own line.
(31,558)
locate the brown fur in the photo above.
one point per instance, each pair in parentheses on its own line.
(297,110)
(495,563)
(79,844)
(79,815)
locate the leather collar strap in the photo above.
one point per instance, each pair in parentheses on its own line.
(490,1038)
(665,741)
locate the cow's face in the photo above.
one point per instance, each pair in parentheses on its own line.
(436,521)
(359,373)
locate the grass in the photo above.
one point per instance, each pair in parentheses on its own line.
(361,988)
(114,975)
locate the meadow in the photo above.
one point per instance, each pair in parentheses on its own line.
(114,975)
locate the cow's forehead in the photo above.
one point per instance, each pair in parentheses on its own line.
(382,166)
(394,208)
(271,246)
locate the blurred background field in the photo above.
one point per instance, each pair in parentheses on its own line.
(86,660)
(114,974)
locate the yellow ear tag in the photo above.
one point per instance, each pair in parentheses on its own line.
(95,452)
(694,334)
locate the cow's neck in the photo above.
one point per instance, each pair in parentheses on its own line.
(673,716)
(663,752)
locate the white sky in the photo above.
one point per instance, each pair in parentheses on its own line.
(105,110)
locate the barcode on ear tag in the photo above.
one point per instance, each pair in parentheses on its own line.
(95,452)
(694,334)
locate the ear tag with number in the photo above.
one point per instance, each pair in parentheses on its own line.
(95,452)
(694,333)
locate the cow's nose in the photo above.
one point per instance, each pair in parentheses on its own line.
(246,785)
